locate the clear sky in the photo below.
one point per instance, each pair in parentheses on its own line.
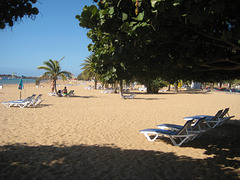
(54,33)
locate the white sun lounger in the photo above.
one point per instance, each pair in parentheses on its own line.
(129,96)
(20,103)
(198,126)
(177,137)
(220,118)
(36,101)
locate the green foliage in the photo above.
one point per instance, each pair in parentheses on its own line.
(153,86)
(53,71)
(147,40)
(14,10)
(88,72)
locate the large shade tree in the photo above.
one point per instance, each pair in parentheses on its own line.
(14,10)
(174,39)
(53,71)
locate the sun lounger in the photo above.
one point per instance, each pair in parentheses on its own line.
(36,101)
(52,94)
(223,114)
(177,137)
(198,126)
(89,87)
(129,96)
(223,118)
(20,103)
(71,93)
(107,91)
(220,118)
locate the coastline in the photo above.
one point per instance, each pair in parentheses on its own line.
(16,81)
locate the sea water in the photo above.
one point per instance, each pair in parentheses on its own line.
(16,81)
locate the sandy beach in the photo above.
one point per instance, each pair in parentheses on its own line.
(96,136)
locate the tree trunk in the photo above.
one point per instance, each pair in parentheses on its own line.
(220,84)
(230,85)
(176,87)
(115,87)
(121,88)
(55,85)
(169,87)
(95,80)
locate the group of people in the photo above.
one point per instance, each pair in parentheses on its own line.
(60,93)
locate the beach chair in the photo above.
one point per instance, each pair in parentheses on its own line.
(71,93)
(197,127)
(177,137)
(223,118)
(110,91)
(107,91)
(52,94)
(129,96)
(211,121)
(20,103)
(222,115)
(36,101)
(104,91)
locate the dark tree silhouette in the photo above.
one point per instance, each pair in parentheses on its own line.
(12,11)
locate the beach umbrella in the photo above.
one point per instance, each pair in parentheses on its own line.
(20,86)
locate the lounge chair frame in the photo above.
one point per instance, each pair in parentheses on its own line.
(177,137)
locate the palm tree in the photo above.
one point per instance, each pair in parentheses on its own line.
(53,71)
(88,71)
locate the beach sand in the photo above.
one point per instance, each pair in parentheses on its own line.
(96,136)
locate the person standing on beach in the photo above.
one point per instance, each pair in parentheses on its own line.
(52,86)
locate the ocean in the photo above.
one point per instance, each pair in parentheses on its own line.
(16,81)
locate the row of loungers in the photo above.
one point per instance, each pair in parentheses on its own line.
(22,103)
(194,126)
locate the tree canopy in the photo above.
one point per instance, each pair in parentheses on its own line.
(14,10)
(174,39)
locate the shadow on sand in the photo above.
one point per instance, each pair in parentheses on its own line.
(82,97)
(148,98)
(21,161)
(221,142)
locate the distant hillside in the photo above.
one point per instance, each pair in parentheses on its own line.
(15,76)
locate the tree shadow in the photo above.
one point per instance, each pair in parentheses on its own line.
(149,98)
(37,106)
(80,97)
(145,93)
(83,97)
(193,92)
(221,142)
(40,105)
(20,161)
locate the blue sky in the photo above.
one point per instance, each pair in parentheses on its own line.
(54,33)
